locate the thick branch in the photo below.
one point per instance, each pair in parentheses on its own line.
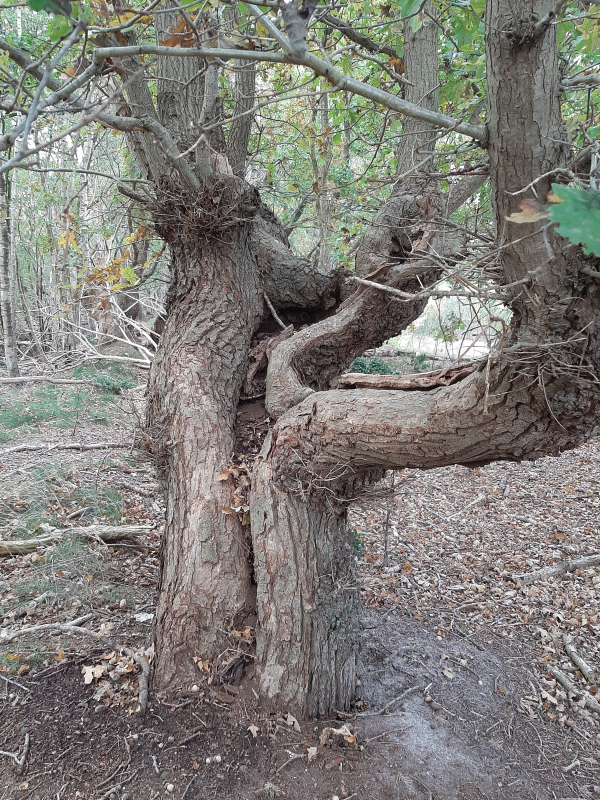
(290,280)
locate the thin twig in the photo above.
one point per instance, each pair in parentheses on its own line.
(273,312)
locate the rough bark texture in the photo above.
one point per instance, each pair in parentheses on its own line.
(417,144)
(321,162)
(290,281)
(180,87)
(312,359)
(215,304)
(308,604)
(241,126)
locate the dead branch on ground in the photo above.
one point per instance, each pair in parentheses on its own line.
(568,684)
(30,448)
(104,533)
(585,669)
(558,569)
(417,382)
(63,627)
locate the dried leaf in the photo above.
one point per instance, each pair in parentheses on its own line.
(292,722)
(528,213)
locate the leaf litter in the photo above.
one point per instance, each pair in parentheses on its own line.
(439,560)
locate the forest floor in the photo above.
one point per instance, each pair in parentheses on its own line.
(457,699)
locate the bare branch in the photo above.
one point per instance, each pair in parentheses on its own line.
(333,75)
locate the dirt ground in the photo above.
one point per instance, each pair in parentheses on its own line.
(454,699)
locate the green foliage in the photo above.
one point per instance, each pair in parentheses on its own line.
(114,378)
(358,543)
(449,327)
(61,7)
(61,406)
(420,362)
(578,217)
(111,386)
(44,404)
(372,366)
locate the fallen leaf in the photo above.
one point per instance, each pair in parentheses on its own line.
(254,731)
(311,753)
(292,722)
(528,213)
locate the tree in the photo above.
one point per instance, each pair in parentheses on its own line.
(535,394)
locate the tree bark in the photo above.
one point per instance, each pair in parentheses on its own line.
(241,126)
(7,293)
(308,601)
(214,306)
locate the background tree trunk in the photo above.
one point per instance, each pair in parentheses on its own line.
(7,286)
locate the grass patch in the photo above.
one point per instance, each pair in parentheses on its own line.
(65,406)
(111,377)
(48,496)
(372,366)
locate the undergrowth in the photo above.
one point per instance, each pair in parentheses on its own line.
(379,366)
(65,406)
(48,496)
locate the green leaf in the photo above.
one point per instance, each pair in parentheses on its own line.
(59,26)
(129,275)
(578,217)
(409,7)
(61,7)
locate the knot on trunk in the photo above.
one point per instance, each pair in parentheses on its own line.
(224,203)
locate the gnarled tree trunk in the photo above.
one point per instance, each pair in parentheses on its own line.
(214,306)
(538,395)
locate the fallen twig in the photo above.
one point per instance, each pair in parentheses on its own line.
(400,697)
(23,759)
(395,730)
(558,569)
(27,448)
(118,786)
(293,757)
(185,791)
(479,499)
(19,760)
(585,669)
(63,627)
(142,682)
(44,379)
(105,533)
(568,684)
(14,683)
